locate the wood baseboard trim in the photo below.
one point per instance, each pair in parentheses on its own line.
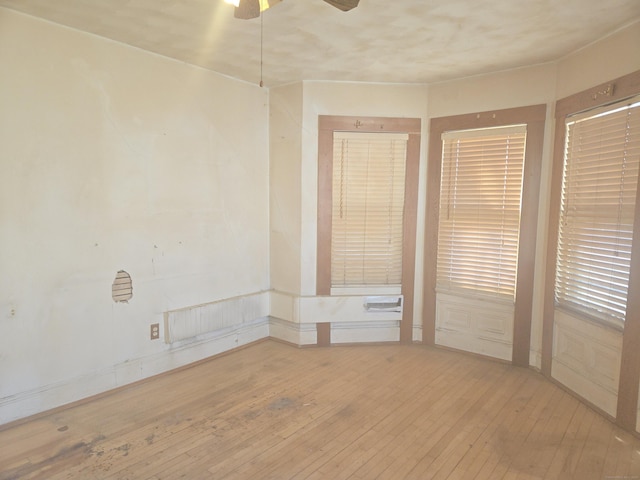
(112,391)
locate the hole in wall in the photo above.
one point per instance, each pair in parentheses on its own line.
(122,288)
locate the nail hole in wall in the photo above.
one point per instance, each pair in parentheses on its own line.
(122,289)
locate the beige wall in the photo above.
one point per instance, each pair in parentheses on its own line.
(113,158)
(285,123)
(612,57)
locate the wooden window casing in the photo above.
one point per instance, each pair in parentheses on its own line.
(629,382)
(534,119)
(327,125)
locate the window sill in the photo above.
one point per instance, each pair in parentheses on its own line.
(367,290)
(612,324)
(474,295)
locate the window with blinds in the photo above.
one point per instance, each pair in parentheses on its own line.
(367,208)
(602,156)
(480,203)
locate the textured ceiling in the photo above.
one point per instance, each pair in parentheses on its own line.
(400,41)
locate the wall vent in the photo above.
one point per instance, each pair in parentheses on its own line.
(378,303)
(190,322)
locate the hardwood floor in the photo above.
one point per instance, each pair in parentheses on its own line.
(278,412)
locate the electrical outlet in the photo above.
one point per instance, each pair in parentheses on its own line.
(155,331)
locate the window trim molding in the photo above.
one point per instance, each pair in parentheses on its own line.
(327,124)
(629,383)
(534,117)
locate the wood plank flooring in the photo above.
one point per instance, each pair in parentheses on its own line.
(272,411)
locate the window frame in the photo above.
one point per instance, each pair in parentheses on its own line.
(534,117)
(605,93)
(567,299)
(327,125)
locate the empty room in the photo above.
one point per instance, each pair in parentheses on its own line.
(319,239)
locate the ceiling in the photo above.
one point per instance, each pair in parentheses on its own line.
(398,41)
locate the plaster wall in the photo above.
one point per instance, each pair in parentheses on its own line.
(114,158)
(285,123)
(611,57)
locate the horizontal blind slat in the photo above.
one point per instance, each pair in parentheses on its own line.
(602,159)
(480,196)
(368,208)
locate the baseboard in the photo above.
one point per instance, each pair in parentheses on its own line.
(183,353)
(61,394)
(300,334)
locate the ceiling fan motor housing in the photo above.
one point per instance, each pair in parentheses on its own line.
(247,9)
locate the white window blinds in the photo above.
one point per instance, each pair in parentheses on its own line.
(367,208)
(602,156)
(479,220)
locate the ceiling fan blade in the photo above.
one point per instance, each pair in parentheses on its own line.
(344,5)
(248,9)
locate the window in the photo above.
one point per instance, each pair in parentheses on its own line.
(601,161)
(371,165)
(493,157)
(592,258)
(367,210)
(479,219)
